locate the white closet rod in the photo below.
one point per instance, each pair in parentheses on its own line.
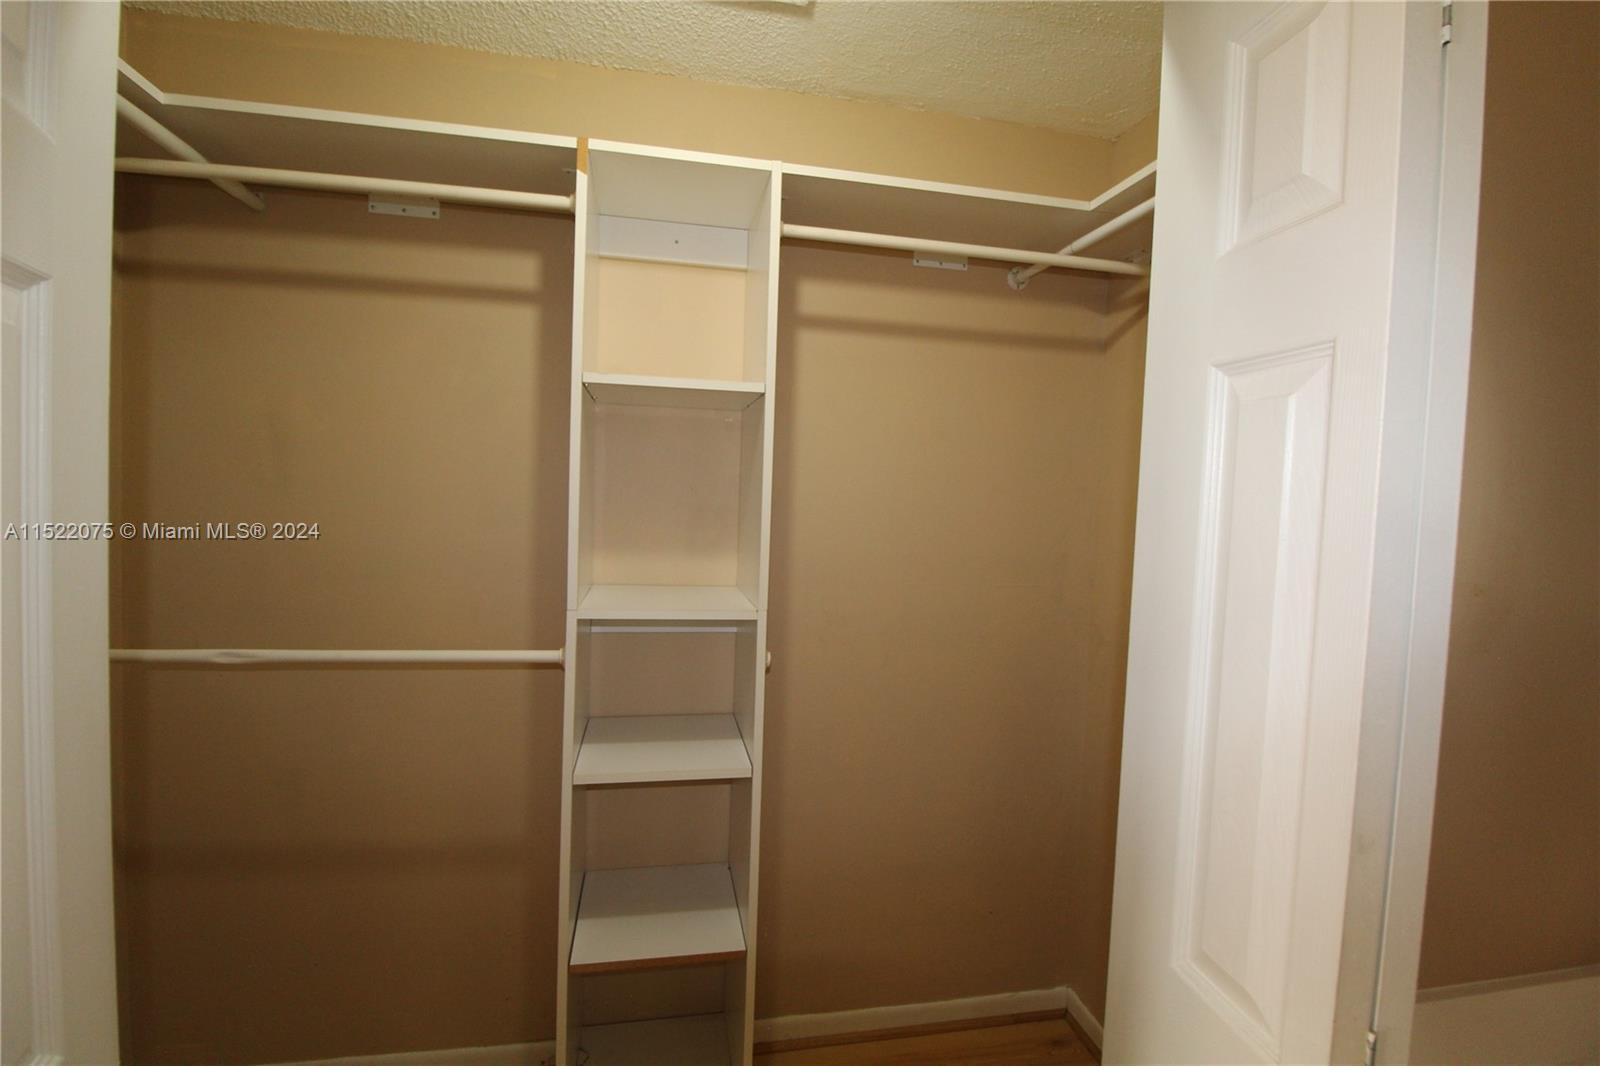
(309,179)
(251,656)
(1019,276)
(183,150)
(980,251)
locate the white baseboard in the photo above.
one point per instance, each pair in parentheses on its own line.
(1539,1018)
(1086,1019)
(499,1055)
(790,1027)
(900,1016)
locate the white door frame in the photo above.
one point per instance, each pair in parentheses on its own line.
(1411,630)
(59,131)
(1414,575)
(1420,497)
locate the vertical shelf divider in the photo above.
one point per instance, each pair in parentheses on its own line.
(574,716)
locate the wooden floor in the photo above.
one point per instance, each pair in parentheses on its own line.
(1052,1043)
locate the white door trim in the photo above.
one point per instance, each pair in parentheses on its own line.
(37,664)
(59,133)
(1437,509)
(1414,570)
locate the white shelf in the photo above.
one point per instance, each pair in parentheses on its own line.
(665,603)
(656,916)
(638,390)
(701,1040)
(662,748)
(246,133)
(878,203)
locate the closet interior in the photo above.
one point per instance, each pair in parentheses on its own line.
(674,368)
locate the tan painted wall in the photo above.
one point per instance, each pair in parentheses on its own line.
(316,69)
(325,861)
(319,862)
(1097,724)
(1134,148)
(1514,883)
(945,577)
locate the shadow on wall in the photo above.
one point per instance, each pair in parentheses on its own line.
(952,524)
(330,861)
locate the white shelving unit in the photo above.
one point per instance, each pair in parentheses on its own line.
(674,343)
(848,199)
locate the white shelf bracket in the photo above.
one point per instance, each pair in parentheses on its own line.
(1019,277)
(185,151)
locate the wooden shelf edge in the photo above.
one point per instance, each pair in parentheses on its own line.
(662,963)
(670,778)
(668,381)
(684,748)
(645,390)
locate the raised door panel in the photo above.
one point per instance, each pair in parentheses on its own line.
(1246,774)
(1287,110)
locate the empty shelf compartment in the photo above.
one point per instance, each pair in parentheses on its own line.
(656,916)
(661,748)
(697,1040)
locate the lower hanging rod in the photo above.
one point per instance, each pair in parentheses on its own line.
(979,251)
(310,179)
(255,656)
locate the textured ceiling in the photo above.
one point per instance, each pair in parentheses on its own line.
(1074,65)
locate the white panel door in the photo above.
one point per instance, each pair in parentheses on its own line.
(58,983)
(1289,347)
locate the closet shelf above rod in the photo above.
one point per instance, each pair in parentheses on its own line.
(255,656)
(1019,276)
(979,251)
(307,179)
